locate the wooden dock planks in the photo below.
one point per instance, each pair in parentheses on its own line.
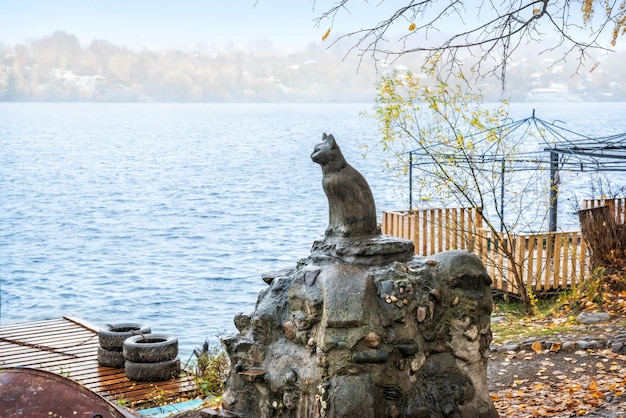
(69,346)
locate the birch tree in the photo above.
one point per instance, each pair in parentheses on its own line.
(461,151)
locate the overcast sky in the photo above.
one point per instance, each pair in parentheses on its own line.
(167,23)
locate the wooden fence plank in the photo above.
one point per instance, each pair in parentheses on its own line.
(559,281)
(547,255)
(539,262)
(566,257)
(454,225)
(460,229)
(440,230)
(424,224)
(447,222)
(531,277)
(520,245)
(413,230)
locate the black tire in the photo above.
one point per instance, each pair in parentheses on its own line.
(151,348)
(112,337)
(152,372)
(111,358)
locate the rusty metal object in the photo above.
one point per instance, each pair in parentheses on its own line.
(36,393)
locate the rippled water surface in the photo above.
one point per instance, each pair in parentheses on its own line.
(168,214)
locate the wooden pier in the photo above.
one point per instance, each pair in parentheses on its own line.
(69,347)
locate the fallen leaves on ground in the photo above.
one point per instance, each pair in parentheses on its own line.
(545,381)
(597,379)
(562,319)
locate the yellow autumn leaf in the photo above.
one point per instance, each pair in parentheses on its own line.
(536,346)
(412,26)
(535,11)
(326,35)
(593,385)
(597,395)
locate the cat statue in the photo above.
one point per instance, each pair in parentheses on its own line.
(351,207)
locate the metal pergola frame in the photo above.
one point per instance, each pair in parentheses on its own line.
(563,149)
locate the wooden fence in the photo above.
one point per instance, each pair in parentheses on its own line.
(545,261)
(435,230)
(617,207)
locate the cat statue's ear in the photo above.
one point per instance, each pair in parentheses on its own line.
(331,140)
(324,136)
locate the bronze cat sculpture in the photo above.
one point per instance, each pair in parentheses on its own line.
(351,207)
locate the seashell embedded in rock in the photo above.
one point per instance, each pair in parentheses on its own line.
(372,339)
(418,362)
(421,314)
(290,330)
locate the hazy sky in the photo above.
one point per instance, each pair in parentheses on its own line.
(165,23)
(183,24)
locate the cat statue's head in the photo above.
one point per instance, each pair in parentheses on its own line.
(328,153)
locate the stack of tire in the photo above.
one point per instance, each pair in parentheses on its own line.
(111,340)
(151,357)
(146,357)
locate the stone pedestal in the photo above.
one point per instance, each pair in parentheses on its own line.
(363,328)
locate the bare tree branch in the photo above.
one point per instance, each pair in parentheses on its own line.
(490,38)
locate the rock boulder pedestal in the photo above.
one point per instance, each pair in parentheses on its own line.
(363,328)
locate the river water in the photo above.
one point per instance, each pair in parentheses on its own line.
(168,214)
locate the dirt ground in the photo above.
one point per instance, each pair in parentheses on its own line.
(557,382)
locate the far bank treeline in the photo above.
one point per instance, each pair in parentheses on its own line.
(59,68)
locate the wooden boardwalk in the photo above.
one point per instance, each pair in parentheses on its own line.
(69,347)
